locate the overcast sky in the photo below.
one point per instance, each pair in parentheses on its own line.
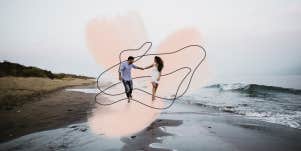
(242,37)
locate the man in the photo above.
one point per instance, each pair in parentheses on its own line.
(126,77)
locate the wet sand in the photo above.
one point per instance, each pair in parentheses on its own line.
(191,128)
(183,127)
(49,111)
(152,134)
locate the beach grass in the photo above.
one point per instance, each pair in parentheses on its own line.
(19,90)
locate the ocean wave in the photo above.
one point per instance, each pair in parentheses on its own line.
(254,88)
(228,108)
(288,119)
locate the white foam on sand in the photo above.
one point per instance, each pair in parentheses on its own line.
(277,118)
(84,90)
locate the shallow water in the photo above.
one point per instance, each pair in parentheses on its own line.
(274,104)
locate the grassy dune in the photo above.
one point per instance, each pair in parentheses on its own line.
(19,90)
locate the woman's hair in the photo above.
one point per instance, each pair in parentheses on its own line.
(160,63)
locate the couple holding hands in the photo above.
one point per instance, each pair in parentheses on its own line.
(126,77)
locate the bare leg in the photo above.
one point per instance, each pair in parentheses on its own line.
(153,91)
(155,86)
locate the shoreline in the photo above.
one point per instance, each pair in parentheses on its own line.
(185,127)
(49,110)
(182,127)
(180,130)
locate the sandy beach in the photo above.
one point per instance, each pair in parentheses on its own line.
(16,91)
(48,106)
(60,124)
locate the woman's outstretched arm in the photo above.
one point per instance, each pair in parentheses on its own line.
(149,66)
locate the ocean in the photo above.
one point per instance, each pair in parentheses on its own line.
(274,99)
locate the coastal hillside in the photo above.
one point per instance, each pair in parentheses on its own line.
(18,70)
(20,84)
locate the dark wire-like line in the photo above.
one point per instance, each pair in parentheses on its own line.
(140,57)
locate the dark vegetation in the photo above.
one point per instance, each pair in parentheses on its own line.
(18,70)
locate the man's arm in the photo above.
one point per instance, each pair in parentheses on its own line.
(136,67)
(119,75)
(119,72)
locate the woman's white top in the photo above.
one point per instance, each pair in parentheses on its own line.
(155,73)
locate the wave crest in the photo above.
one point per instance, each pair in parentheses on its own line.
(254,88)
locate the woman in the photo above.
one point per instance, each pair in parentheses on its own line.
(156,74)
